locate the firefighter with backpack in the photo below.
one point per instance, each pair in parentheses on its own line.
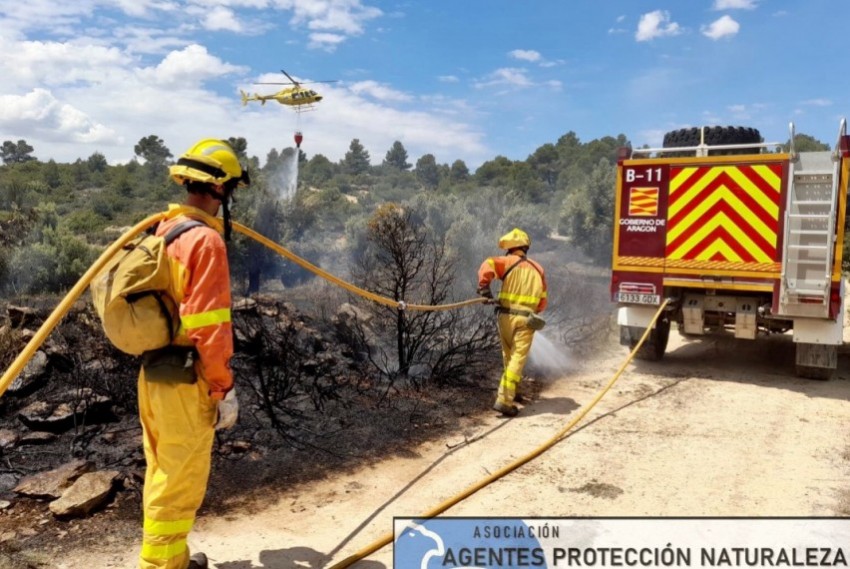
(186,389)
(523,295)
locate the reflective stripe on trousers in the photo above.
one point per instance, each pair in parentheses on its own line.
(177,428)
(516,339)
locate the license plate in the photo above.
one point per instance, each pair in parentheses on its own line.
(636,298)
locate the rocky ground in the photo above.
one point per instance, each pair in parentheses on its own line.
(720,427)
(71,464)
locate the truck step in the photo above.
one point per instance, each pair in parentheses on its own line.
(809,247)
(812,173)
(809,232)
(809,215)
(805,291)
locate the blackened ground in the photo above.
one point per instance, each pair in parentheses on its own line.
(334,419)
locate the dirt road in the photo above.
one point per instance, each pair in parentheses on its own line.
(719,428)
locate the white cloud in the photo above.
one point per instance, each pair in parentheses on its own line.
(139,67)
(506,76)
(191,65)
(656,24)
(221,18)
(525,55)
(818,103)
(722,27)
(40,112)
(55,63)
(735,4)
(41,14)
(146,8)
(147,41)
(341,16)
(448,79)
(325,41)
(378,91)
(740,112)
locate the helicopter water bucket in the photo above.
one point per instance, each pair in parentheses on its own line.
(298,138)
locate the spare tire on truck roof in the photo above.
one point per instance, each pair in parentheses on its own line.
(714,136)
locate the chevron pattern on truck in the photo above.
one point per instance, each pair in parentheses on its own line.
(724,214)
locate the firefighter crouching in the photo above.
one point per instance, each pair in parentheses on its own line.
(522,297)
(186,390)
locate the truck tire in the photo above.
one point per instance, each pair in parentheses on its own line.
(656,344)
(714,135)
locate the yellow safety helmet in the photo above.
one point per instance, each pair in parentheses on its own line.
(516,238)
(210,161)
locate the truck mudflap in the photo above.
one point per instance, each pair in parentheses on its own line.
(817,342)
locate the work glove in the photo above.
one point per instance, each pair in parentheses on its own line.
(484,292)
(228,411)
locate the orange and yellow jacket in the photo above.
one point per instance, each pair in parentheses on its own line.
(525,286)
(200,285)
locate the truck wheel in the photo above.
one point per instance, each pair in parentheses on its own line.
(653,349)
(714,135)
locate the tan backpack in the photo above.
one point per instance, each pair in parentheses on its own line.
(130,294)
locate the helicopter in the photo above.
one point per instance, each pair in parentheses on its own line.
(298,97)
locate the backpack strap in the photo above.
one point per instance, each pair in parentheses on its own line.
(512,267)
(173,234)
(182,228)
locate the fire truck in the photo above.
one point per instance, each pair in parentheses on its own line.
(740,237)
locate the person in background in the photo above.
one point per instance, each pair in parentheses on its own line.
(186,390)
(523,295)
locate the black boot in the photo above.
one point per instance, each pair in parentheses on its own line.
(198,561)
(506,410)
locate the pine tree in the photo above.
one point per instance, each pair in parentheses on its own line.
(397,157)
(356,160)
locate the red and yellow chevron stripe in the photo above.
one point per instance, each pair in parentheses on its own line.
(643,202)
(724,213)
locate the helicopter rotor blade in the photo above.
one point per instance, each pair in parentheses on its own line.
(288,76)
(304,83)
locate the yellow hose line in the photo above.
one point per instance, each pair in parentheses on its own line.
(347,286)
(65,305)
(47,327)
(388,538)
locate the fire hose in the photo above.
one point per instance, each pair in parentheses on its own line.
(560,435)
(77,290)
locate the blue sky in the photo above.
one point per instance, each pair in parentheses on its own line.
(463,79)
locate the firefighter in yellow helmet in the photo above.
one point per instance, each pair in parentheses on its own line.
(186,390)
(522,297)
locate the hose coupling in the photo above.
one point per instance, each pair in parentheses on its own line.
(402,305)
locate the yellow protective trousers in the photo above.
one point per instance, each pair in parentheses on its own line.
(516,339)
(178,429)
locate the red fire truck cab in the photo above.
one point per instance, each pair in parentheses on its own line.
(738,235)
